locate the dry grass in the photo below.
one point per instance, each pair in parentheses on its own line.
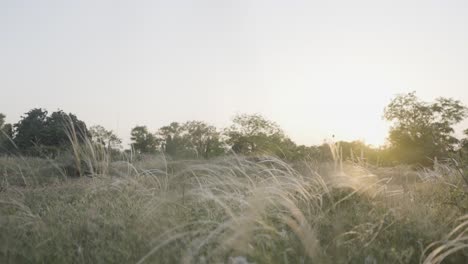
(233,209)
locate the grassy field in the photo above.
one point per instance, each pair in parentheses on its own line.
(229,210)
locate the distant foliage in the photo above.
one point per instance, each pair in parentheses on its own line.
(37,133)
(171,141)
(254,134)
(202,139)
(6,135)
(464,142)
(2,120)
(192,139)
(57,136)
(30,131)
(461,159)
(143,141)
(105,137)
(422,131)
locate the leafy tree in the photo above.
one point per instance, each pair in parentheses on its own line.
(2,120)
(7,131)
(171,139)
(37,133)
(464,143)
(31,131)
(6,135)
(202,138)
(143,141)
(422,130)
(59,125)
(105,137)
(192,139)
(250,134)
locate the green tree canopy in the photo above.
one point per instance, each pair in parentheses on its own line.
(105,137)
(251,134)
(464,142)
(143,141)
(171,139)
(422,130)
(6,135)
(37,133)
(2,120)
(202,138)
(6,130)
(59,125)
(192,139)
(31,131)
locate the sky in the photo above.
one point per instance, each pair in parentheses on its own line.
(317,68)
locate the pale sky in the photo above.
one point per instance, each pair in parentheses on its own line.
(317,68)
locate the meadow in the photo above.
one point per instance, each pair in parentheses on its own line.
(230,209)
(237,132)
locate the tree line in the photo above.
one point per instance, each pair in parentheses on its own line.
(420,132)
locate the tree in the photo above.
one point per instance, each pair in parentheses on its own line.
(192,139)
(7,131)
(37,133)
(2,120)
(422,130)
(143,141)
(171,139)
(6,135)
(250,134)
(464,142)
(31,131)
(202,138)
(105,137)
(59,126)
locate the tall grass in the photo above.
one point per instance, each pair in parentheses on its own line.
(232,209)
(455,241)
